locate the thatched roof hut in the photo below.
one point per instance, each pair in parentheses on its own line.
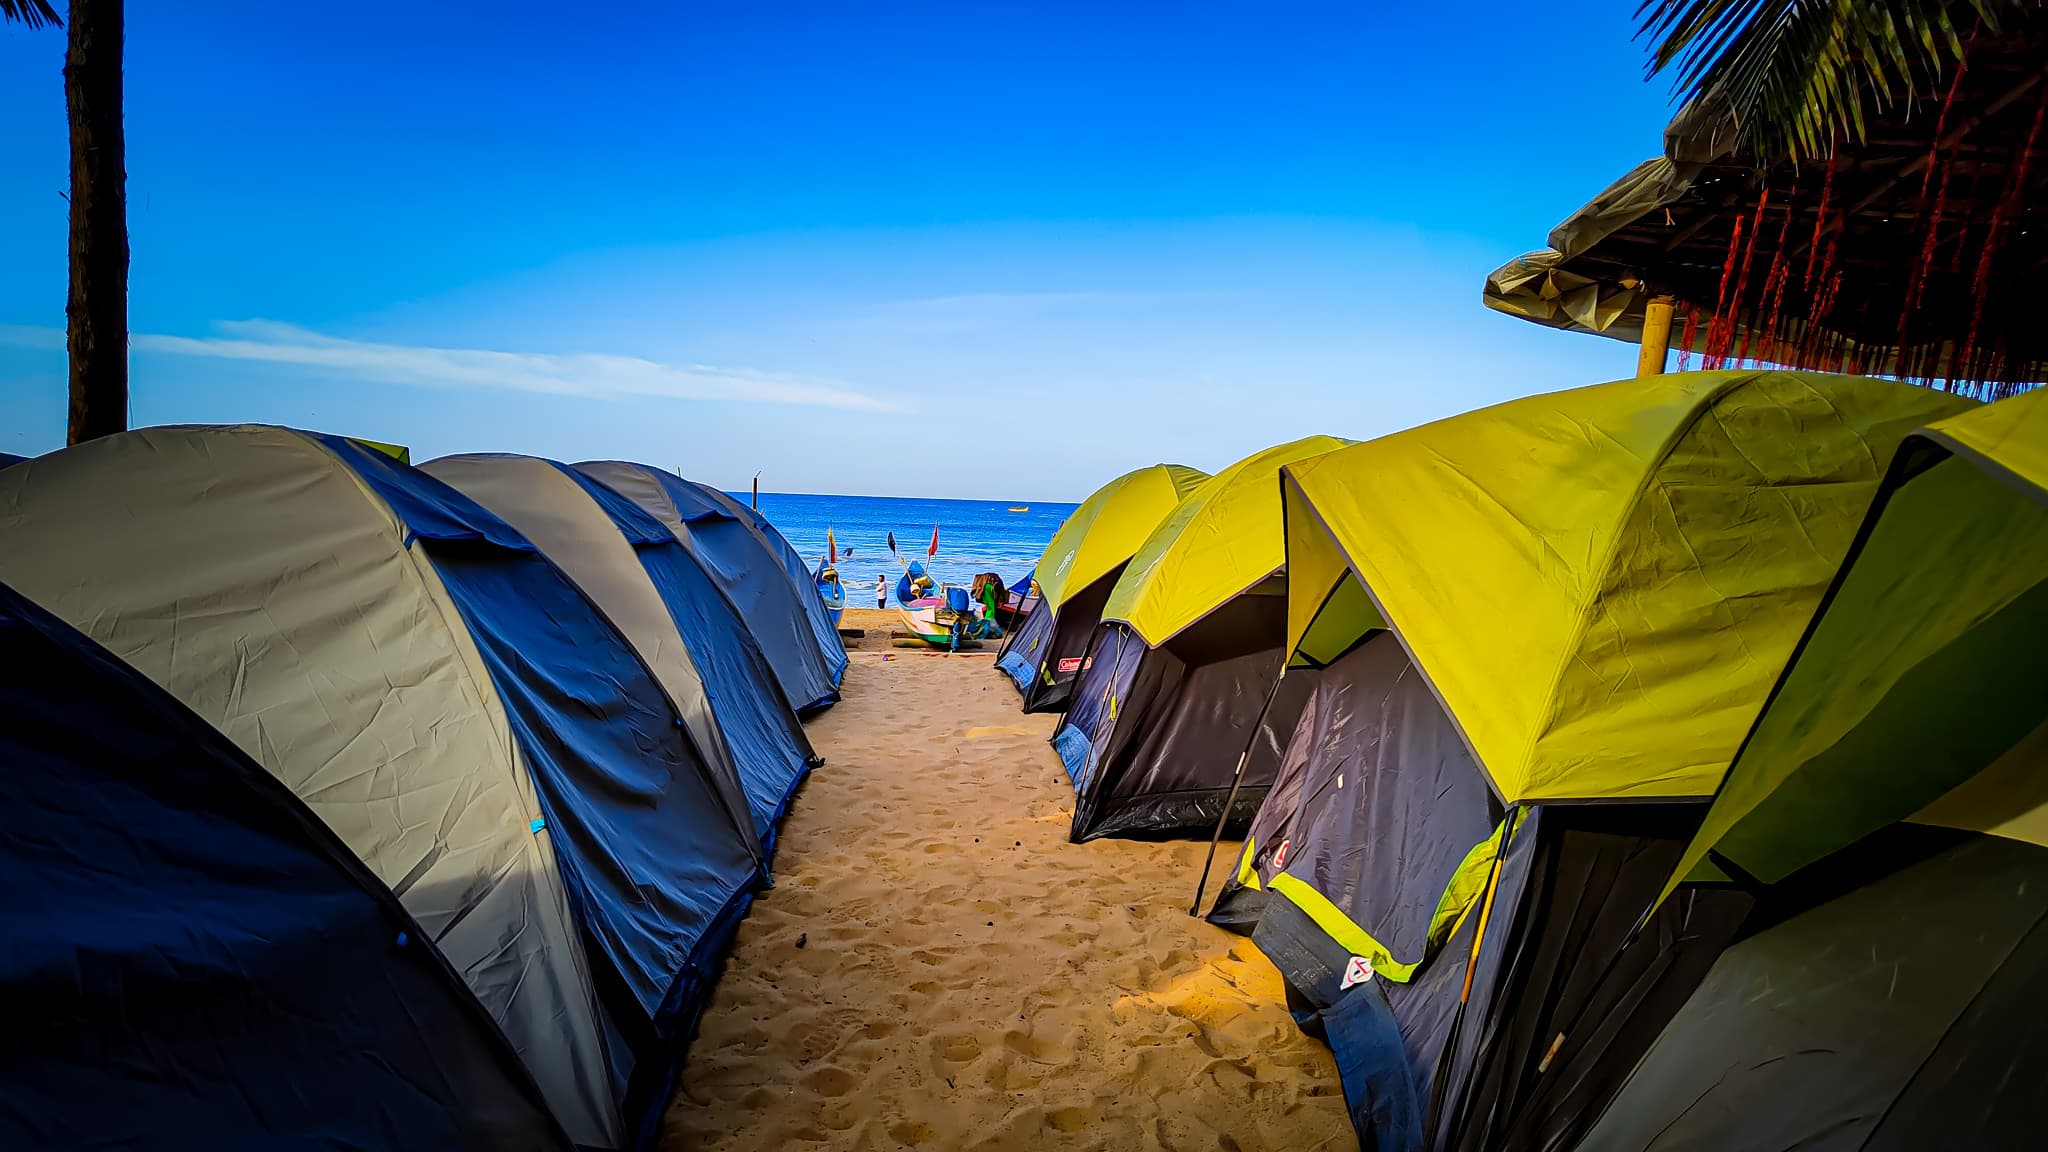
(1920,251)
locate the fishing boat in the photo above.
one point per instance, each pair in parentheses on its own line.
(941,616)
(830,590)
(1024,508)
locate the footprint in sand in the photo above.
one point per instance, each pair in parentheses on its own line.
(956,1047)
(1039,1049)
(1072,1119)
(831,1081)
(913,1132)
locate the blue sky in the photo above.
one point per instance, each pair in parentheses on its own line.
(966,249)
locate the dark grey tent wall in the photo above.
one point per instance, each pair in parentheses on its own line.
(1897,1011)
(1377,798)
(1377,802)
(1073,626)
(1166,764)
(1564,1001)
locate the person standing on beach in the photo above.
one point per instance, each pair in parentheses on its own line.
(881,592)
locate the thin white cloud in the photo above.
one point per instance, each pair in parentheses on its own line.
(577,374)
(31,336)
(1033,300)
(975,312)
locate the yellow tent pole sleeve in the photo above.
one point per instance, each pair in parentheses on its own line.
(1246,874)
(1479,870)
(1348,935)
(1485,911)
(1466,885)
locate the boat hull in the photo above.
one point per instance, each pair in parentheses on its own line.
(923,622)
(833,593)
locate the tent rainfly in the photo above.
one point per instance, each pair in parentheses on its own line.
(440,695)
(194,960)
(1889,813)
(1534,635)
(755,567)
(661,599)
(1080,566)
(1190,643)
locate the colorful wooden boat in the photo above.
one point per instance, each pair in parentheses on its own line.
(930,621)
(933,619)
(832,592)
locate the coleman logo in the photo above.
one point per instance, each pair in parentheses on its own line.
(1280,854)
(1073,664)
(1357,970)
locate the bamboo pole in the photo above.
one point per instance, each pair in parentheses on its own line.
(1656,336)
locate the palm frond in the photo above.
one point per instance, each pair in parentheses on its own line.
(1797,75)
(34,13)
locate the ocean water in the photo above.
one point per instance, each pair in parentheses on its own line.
(974,535)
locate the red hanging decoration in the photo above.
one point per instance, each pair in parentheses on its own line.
(1913,362)
(1774,288)
(2015,191)
(1685,338)
(1763,200)
(1927,174)
(1821,305)
(1820,221)
(1716,348)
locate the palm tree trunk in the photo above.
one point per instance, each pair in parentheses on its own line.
(97,311)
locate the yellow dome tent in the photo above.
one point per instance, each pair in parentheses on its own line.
(1191,642)
(1962,539)
(1076,573)
(1889,814)
(1535,635)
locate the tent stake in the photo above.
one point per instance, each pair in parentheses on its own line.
(1236,782)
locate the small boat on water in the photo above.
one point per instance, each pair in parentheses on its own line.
(1024,508)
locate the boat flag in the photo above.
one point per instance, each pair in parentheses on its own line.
(934,549)
(831,548)
(892,542)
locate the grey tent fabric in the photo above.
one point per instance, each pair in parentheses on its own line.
(549,508)
(251,574)
(739,556)
(823,631)
(1902,1014)
(194,960)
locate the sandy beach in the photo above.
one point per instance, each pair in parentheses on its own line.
(937,967)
